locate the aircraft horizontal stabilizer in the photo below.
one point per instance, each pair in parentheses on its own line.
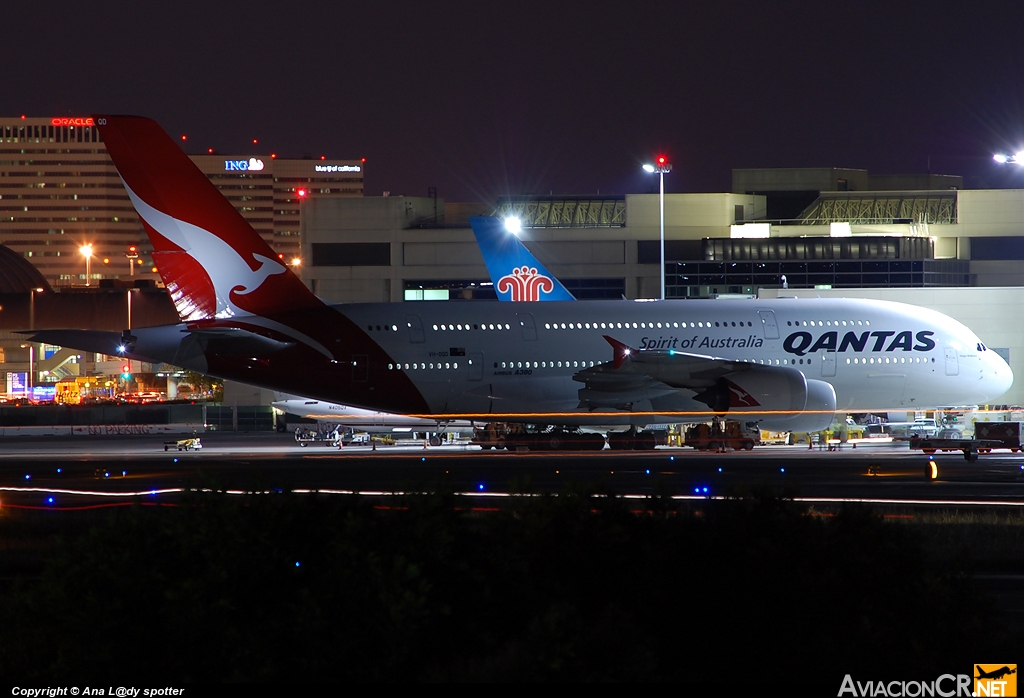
(100,341)
(234,341)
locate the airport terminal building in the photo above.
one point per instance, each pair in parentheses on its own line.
(408,248)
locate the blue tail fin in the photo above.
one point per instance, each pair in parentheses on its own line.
(516,273)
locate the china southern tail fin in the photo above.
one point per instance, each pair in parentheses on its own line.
(212,262)
(515,272)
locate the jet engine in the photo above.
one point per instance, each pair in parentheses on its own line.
(757,390)
(817,413)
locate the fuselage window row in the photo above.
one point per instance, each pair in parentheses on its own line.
(827,323)
(453,366)
(639,325)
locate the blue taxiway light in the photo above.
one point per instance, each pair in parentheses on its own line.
(648,471)
(28,477)
(480,487)
(782,470)
(298,564)
(58,470)
(719,470)
(49,500)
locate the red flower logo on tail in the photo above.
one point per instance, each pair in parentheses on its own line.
(525,284)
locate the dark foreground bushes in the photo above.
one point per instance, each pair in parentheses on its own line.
(573,588)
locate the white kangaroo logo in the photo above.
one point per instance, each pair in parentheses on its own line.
(228,270)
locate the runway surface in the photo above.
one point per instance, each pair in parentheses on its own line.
(76,472)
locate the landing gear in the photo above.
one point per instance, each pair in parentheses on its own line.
(632,440)
(560,440)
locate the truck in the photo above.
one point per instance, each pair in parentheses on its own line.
(512,437)
(987,437)
(718,436)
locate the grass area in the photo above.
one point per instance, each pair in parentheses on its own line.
(569,588)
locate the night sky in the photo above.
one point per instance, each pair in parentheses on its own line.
(487,99)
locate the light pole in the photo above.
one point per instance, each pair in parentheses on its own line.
(86,251)
(132,254)
(661,166)
(1014,159)
(31,367)
(32,307)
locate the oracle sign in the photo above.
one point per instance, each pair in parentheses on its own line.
(73,122)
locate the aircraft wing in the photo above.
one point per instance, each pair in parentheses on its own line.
(721,384)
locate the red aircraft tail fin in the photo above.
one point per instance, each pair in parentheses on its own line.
(211,260)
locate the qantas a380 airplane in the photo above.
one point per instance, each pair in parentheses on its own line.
(788,364)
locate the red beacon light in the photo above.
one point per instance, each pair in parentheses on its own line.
(661,165)
(302,193)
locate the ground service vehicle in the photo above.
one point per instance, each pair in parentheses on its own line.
(305,436)
(515,436)
(988,436)
(190,444)
(715,436)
